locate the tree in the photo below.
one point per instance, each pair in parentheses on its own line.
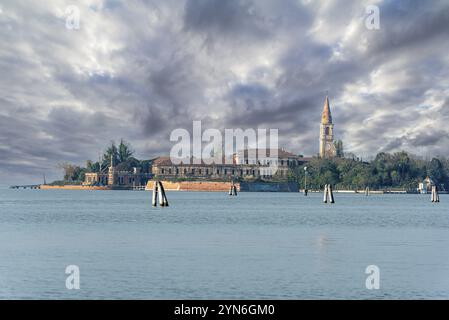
(92,166)
(119,154)
(124,151)
(110,153)
(339,148)
(437,173)
(73,172)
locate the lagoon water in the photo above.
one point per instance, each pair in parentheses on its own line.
(213,246)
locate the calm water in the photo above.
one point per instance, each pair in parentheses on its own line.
(211,246)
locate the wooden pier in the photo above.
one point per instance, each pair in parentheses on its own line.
(28,186)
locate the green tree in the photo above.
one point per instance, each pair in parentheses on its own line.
(125,151)
(437,172)
(339,148)
(73,172)
(110,153)
(119,154)
(92,166)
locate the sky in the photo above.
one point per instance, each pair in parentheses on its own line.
(139,69)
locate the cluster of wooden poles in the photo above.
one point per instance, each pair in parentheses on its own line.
(159,192)
(233,190)
(435,195)
(367,191)
(328,194)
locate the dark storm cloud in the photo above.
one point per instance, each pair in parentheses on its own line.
(138,70)
(411,23)
(230,19)
(431,137)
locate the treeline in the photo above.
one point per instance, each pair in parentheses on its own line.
(398,170)
(122,158)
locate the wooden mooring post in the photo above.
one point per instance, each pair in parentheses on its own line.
(435,195)
(159,194)
(328,196)
(331,194)
(154,196)
(233,189)
(325,196)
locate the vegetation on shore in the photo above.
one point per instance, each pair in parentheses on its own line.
(121,155)
(386,171)
(399,170)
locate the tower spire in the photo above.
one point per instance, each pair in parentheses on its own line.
(326,117)
(327,147)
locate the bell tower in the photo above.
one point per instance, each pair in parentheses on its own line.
(327,148)
(111,173)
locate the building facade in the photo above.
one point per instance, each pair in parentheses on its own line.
(243,165)
(327,147)
(114,178)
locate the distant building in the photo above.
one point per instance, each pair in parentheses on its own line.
(115,178)
(327,147)
(425,185)
(245,164)
(248,163)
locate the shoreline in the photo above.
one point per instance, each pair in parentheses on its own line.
(209,186)
(71,187)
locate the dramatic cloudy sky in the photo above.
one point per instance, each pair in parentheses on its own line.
(138,69)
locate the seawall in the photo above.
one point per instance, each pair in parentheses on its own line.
(225,186)
(72,187)
(194,186)
(269,186)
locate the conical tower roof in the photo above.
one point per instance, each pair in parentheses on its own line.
(326,117)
